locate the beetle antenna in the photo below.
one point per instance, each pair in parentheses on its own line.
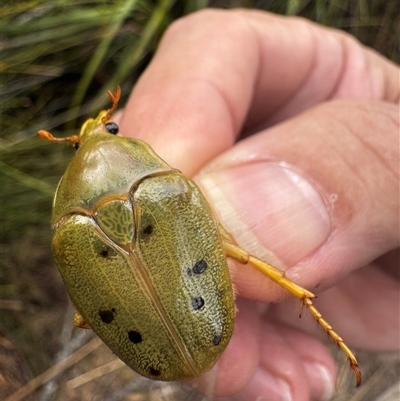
(114,96)
(74,139)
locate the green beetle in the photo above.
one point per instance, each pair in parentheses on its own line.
(144,259)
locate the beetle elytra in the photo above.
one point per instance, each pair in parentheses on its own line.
(144,259)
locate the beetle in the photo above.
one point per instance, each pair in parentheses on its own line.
(144,259)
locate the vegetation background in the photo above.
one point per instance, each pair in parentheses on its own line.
(58,58)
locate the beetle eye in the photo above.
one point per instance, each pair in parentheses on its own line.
(112,128)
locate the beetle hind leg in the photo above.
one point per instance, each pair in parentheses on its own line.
(235,252)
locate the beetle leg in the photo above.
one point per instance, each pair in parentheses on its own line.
(304,295)
(80,322)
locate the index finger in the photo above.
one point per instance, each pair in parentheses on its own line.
(217,73)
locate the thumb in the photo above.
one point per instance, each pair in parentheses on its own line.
(320,191)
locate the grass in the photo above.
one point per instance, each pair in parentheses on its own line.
(57,60)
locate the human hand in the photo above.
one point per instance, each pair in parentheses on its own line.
(292,132)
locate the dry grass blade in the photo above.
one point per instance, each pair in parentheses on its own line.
(391,394)
(55,370)
(95,373)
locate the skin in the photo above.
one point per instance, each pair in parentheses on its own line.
(292,131)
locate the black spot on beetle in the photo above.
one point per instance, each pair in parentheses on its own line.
(197,303)
(102,250)
(200,267)
(217,339)
(104,253)
(154,372)
(107,316)
(135,337)
(148,230)
(112,128)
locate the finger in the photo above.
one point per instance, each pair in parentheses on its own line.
(293,366)
(314,64)
(194,98)
(321,189)
(289,364)
(183,105)
(316,361)
(239,362)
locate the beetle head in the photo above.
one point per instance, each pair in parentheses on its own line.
(99,125)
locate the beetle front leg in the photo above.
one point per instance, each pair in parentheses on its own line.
(80,322)
(235,252)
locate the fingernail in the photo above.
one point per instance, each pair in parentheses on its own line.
(269,204)
(321,381)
